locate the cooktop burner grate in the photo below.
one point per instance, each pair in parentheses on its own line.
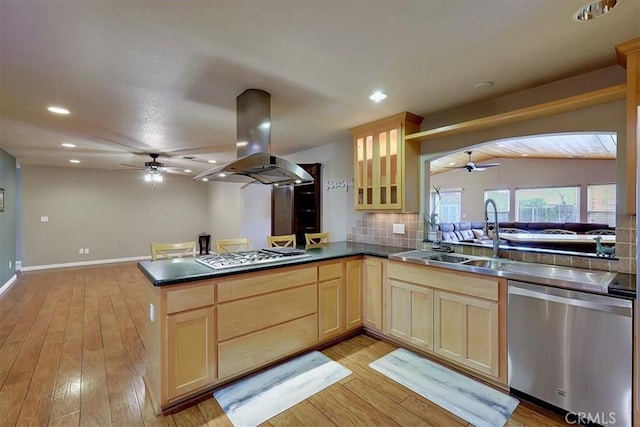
(235,259)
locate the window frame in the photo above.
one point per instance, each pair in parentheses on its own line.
(577,187)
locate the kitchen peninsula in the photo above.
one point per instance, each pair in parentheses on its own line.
(206,327)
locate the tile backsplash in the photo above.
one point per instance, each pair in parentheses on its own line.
(377,228)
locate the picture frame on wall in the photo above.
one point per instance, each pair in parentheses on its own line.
(1,199)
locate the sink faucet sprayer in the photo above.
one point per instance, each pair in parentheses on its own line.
(496,230)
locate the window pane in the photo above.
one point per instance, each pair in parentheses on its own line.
(601,203)
(502,199)
(450,206)
(560,204)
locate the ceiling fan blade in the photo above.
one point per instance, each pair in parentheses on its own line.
(478,169)
(488,165)
(132,166)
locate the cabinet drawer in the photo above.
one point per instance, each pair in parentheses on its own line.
(439,278)
(263,282)
(329,271)
(259,348)
(251,314)
(187,299)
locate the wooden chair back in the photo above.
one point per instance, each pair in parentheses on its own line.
(316,238)
(172,250)
(285,240)
(233,245)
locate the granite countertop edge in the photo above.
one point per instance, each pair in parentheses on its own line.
(184,270)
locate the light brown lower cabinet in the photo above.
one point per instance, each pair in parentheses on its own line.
(353,294)
(251,351)
(410,313)
(191,358)
(372,289)
(466,331)
(330,300)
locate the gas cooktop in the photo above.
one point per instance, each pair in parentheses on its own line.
(235,259)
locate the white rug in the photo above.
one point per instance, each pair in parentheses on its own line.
(256,399)
(472,401)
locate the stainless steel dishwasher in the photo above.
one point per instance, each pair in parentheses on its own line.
(571,349)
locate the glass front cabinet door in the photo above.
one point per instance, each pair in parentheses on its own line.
(386,167)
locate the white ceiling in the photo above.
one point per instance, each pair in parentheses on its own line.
(162,76)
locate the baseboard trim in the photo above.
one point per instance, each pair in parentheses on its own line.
(8,284)
(84,263)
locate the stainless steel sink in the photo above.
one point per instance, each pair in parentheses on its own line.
(420,256)
(485,263)
(566,277)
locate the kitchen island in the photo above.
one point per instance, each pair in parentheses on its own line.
(207,327)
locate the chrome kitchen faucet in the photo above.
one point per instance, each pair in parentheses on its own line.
(496,230)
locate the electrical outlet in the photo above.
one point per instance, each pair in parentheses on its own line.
(80,251)
(10,264)
(398,228)
(86,250)
(44,219)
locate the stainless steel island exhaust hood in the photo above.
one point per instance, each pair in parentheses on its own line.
(253,146)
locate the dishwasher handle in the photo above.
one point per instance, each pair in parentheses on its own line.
(606,304)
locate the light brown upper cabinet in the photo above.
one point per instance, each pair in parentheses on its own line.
(386,167)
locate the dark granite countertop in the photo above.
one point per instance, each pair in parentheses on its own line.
(182,270)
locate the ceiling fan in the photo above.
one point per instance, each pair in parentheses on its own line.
(471,167)
(153,169)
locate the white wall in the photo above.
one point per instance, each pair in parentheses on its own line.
(113,213)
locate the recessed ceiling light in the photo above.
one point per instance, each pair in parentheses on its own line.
(56,109)
(205,179)
(452,163)
(524,155)
(187,170)
(298,181)
(378,96)
(483,85)
(74,161)
(212,161)
(68,145)
(594,10)
(222,174)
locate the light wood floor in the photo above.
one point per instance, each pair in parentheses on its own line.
(71,353)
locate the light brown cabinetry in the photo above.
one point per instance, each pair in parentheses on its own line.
(330,300)
(455,315)
(386,167)
(410,309)
(189,340)
(191,362)
(372,288)
(263,317)
(466,331)
(353,294)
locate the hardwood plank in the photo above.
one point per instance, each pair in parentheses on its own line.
(70,420)
(123,401)
(66,397)
(11,400)
(189,417)
(345,408)
(310,415)
(378,400)
(284,419)
(214,414)
(429,411)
